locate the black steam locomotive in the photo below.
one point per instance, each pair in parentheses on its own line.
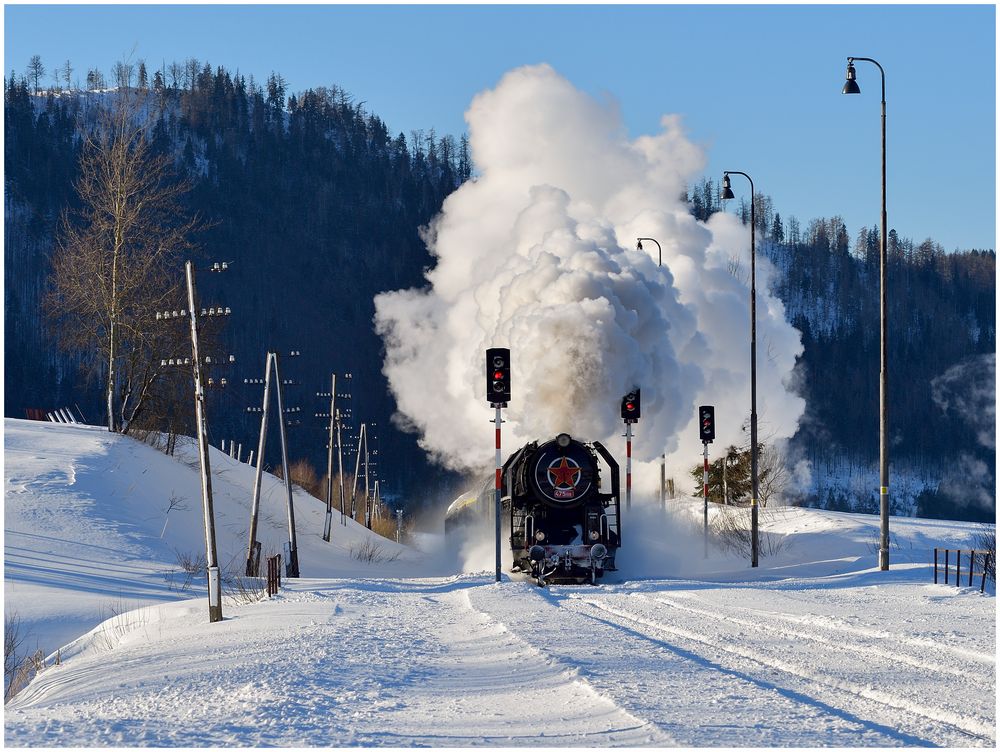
(560,525)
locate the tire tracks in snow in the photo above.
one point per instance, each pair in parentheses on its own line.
(748,661)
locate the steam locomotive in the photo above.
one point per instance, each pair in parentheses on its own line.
(560,525)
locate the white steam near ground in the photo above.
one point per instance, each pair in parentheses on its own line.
(968,390)
(655,543)
(537,253)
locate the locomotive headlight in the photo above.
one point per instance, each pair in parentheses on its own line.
(563,440)
(539,535)
(594,535)
(598,551)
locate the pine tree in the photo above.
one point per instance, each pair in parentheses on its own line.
(777,231)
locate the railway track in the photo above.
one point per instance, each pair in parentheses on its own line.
(806,679)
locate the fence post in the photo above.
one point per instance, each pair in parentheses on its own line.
(947,553)
(958,567)
(972,564)
(935,566)
(986,565)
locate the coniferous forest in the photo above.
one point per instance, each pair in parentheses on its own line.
(318,206)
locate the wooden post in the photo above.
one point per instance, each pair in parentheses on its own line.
(947,552)
(935,566)
(986,565)
(972,565)
(958,567)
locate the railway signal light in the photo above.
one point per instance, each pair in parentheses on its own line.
(632,406)
(706,423)
(498,375)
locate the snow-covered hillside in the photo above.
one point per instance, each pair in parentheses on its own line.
(814,648)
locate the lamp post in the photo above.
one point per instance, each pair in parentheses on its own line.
(851,87)
(663,457)
(727,193)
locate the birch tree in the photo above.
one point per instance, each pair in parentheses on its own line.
(117,259)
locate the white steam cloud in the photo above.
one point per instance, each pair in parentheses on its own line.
(969,389)
(536,254)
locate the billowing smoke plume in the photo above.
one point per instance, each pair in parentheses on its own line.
(537,254)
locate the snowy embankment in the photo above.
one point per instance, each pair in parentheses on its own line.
(814,648)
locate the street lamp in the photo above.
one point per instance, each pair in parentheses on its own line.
(851,87)
(663,457)
(727,193)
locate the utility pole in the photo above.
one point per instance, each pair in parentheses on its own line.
(292,568)
(340,470)
(376,501)
(362,439)
(348,378)
(399,524)
(214,583)
(329,458)
(253,554)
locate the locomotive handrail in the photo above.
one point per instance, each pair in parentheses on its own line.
(615,486)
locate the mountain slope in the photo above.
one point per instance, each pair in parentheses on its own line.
(84,513)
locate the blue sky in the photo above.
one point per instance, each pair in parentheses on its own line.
(757,86)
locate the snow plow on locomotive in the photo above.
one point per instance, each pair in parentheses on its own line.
(560,525)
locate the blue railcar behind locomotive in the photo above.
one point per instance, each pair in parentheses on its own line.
(560,525)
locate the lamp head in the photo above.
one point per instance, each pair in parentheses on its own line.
(638,245)
(727,191)
(851,86)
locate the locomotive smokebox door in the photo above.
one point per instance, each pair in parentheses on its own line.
(563,474)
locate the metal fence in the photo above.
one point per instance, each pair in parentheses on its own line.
(985,557)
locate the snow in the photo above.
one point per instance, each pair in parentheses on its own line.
(816,647)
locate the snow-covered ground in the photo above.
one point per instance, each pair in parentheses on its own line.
(816,647)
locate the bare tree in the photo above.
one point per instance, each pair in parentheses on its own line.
(772,473)
(67,74)
(117,257)
(123,72)
(176,75)
(35,70)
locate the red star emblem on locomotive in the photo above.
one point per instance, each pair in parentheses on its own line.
(563,474)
